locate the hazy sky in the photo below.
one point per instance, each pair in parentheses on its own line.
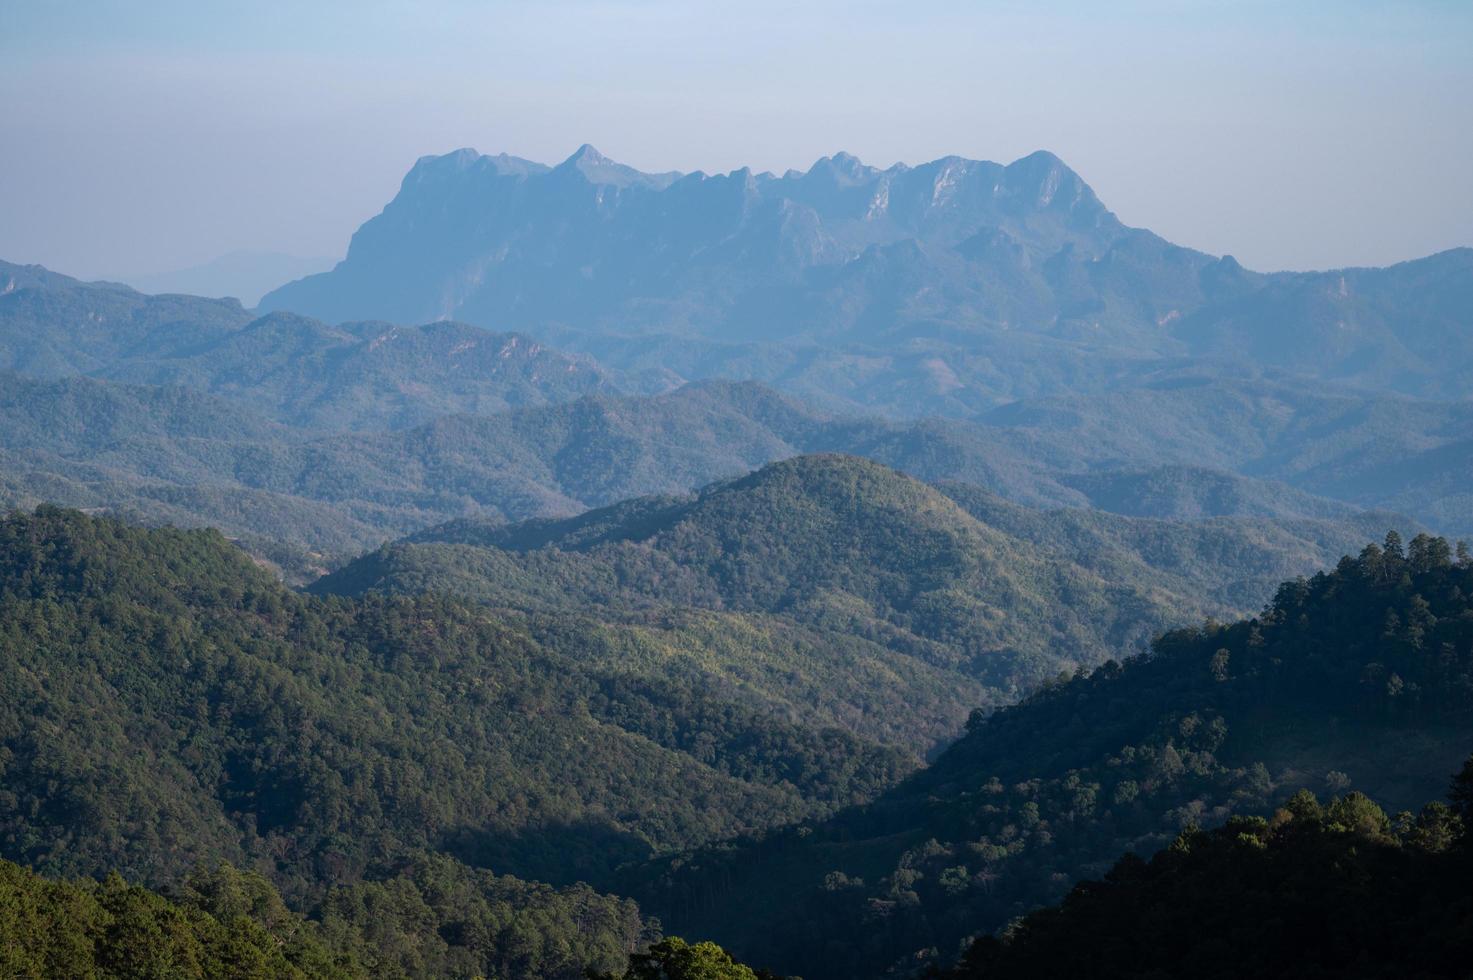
(146,135)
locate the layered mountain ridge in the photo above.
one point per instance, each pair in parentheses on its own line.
(946,287)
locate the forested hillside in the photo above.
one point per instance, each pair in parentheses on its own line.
(1358,677)
(935,610)
(306,500)
(169,705)
(434,919)
(230,924)
(1338,889)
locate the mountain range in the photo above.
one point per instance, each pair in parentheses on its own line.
(942,288)
(845,565)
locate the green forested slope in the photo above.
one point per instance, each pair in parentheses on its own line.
(167,704)
(230,924)
(175,455)
(830,551)
(1357,677)
(933,611)
(1337,890)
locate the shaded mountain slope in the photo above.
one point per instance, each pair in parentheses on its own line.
(1339,889)
(1356,677)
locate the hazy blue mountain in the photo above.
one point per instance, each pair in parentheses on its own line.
(622,235)
(1405,328)
(52,325)
(946,287)
(1376,451)
(245,275)
(294,369)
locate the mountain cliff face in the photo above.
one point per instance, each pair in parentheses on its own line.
(592,243)
(949,286)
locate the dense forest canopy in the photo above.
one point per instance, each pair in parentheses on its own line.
(398,766)
(1360,676)
(1338,889)
(168,704)
(862,588)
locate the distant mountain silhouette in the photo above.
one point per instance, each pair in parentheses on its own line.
(947,287)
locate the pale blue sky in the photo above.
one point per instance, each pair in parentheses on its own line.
(142,136)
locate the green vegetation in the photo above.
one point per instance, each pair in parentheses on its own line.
(1361,676)
(436,918)
(307,500)
(168,705)
(225,924)
(1337,890)
(891,609)
(703,702)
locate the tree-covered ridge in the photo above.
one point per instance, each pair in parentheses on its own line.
(173,455)
(166,704)
(1337,889)
(1359,676)
(675,959)
(941,600)
(820,538)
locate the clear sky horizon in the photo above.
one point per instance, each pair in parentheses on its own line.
(154,135)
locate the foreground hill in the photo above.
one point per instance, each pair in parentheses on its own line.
(1357,677)
(167,704)
(1339,890)
(435,919)
(111,929)
(947,287)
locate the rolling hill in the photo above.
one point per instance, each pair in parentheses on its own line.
(938,610)
(168,454)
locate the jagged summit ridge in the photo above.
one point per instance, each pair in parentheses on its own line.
(503,241)
(1047,171)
